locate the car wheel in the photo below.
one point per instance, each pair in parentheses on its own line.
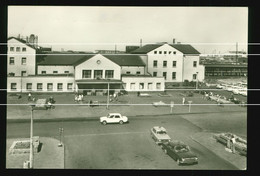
(121,122)
(104,122)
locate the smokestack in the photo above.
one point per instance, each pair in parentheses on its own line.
(173,40)
(27,39)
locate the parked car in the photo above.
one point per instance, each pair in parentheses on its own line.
(159,135)
(113,118)
(159,103)
(240,144)
(180,152)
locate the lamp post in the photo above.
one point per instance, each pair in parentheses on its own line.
(31,138)
(197,80)
(107,93)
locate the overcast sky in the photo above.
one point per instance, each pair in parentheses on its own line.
(93,28)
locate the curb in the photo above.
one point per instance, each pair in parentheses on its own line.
(97,117)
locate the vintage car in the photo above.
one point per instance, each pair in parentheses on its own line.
(159,103)
(113,118)
(180,152)
(159,135)
(240,144)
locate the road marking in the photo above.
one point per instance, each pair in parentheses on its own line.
(104,134)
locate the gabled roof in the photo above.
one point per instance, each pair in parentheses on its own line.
(184,48)
(121,60)
(22,41)
(62,59)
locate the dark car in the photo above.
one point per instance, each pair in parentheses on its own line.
(180,152)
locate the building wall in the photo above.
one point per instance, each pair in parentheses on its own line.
(145,80)
(18,67)
(132,70)
(189,70)
(91,64)
(21,83)
(50,68)
(169,58)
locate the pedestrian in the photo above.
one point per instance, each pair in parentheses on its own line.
(29,96)
(183,100)
(49,105)
(76,98)
(233,141)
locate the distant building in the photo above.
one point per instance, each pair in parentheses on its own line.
(129,49)
(225,70)
(109,52)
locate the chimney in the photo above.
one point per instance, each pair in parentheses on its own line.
(173,40)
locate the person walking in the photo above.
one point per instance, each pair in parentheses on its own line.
(29,96)
(183,100)
(233,141)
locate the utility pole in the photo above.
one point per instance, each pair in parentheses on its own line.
(108,94)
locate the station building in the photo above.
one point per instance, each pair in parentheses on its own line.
(146,69)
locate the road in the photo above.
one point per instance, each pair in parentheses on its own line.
(90,145)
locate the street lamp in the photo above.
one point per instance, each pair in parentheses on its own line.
(197,80)
(107,93)
(31,137)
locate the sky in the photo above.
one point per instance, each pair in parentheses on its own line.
(82,28)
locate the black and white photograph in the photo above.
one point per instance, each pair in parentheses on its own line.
(127,87)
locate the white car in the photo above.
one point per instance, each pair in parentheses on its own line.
(113,118)
(159,135)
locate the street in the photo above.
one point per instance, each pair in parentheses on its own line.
(90,145)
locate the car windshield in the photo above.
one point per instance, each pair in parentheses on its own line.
(181,149)
(161,132)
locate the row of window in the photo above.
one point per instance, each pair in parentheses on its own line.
(40,85)
(174,63)
(165,75)
(141,86)
(97,74)
(54,72)
(164,52)
(18,49)
(138,72)
(11,61)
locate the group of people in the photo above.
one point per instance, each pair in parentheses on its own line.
(79,97)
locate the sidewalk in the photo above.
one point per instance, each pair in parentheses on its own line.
(50,156)
(129,105)
(206,139)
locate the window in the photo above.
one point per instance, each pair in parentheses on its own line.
(11,48)
(150,86)
(55,72)
(39,86)
(128,72)
(158,85)
(194,76)
(174,63)
(165,52)
(24,61)
(86,73)
(29,86)
(24,49)
(164,63)
(11,61)
(49,86)
(18,49)
(138,72)
(117,116)
(154,74)
(173,75)
(69,86)
(13,86)
(155,52)
(160,52)
(66,72)
(170,52)
(109,74)
(155,63)
(194,63)
(98,74)
(11,74)
(43,72)
(59,85)
(23,73)
(165,75)
(141,86)
(132,86)
(174,52)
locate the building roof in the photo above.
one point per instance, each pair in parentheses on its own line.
(63,59)
(184,48)
(22,41)
(225,65)
(126,59)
